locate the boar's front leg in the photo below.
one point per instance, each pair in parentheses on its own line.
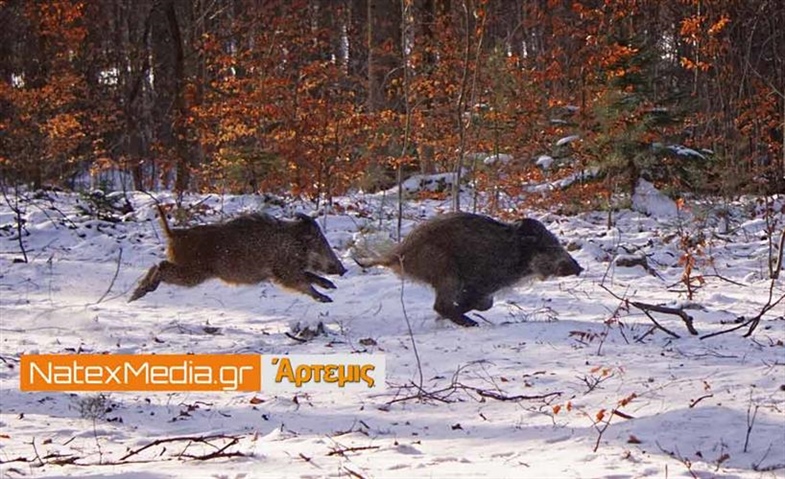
(300,281)
(470,299)
(323,282)
(448,304)
(168,273)
(483,303)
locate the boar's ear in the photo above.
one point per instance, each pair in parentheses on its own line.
(306,222)
(303,217)
(524,233)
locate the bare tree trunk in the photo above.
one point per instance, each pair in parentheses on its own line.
(384,39)
(430,13)
(456,187)
(181,105)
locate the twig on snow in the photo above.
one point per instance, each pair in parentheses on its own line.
(190,439)
(114,278)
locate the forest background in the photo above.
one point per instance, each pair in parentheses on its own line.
(320,97)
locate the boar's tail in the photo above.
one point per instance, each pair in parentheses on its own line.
(162,219)
(367,262)
(373,251)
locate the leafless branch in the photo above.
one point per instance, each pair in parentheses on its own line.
(646,308)
(114,278)
(755,320)
(190,439)
(20,222)
(343,450)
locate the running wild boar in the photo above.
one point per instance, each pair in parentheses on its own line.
(246,250)
(466,258)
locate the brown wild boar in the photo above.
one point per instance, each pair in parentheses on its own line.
(246,250)
(466,258)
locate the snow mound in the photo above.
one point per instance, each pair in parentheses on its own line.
(649,200)
(544,162)
(567,139)
(501,158)
(684,151)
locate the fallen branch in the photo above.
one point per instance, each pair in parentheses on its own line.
(18,459)
(455,386)
(114,278)
(353,473)
(696,401)
(659,326)
(219,453)
(423,394)
(755,320)
(647,308)
(503,397)
(343,451)
(292,336)
(198,439)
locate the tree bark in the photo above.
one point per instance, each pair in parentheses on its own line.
(384,40)
(180,115)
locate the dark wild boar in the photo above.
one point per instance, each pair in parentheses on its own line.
(246,250)
(466,258)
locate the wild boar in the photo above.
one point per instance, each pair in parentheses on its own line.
(466,258)
(246,250)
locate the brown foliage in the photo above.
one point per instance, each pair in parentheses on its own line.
(318,97)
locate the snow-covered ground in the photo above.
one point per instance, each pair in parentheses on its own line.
(530,393)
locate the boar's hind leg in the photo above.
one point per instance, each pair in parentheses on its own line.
(168,273)
(149,283)
(300,281)
(323,282)
(448,305)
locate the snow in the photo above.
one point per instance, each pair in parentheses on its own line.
(682,150)
(567,139)
(501,158)
(565,182)
(567,342)
(431,182)
(649,200)
(544,162)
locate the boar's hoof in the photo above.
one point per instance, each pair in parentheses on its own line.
(322,298)
(462,320)
(323,282)
(140,291)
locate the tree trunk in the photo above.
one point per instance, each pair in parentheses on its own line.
(180,115)
(384,40)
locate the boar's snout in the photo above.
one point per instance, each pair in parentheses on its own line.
(325,260)
(337,268)
(570,267)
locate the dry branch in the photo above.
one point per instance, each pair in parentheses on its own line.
(647,308)
(503,397)
(190,439)
(443,394)
(219,453)
(343,451)
(114,278)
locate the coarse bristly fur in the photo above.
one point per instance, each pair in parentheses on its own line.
(246,250)
(466,258)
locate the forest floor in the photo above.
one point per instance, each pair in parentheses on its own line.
(563,378)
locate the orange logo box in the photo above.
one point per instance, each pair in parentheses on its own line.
(132,372)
